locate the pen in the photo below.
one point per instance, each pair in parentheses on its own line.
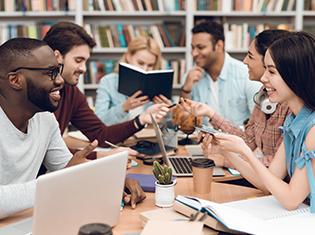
(122,205)
(171,106)
(110,144)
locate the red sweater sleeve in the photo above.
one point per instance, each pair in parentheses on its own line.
(75,109)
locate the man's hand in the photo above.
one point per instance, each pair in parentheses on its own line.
(196,108)
(135,101)
(132,153)
(193,76)
(158,111)
(80,156)
(136,193)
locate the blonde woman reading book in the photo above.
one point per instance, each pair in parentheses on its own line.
(113,107)
(289,77)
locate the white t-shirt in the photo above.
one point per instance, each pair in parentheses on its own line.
(21,155)
(214,86)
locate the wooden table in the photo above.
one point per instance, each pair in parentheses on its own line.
(130,218)
(130,222)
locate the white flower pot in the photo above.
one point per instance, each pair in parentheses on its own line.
(164,194)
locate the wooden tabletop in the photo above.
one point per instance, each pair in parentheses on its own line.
(129,220)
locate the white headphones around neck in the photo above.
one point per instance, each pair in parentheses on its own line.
(261,99)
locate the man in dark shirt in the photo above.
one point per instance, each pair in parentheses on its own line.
(72,46)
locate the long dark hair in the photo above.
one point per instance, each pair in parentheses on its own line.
(294,58)
(264,39)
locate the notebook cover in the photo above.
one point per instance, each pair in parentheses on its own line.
(147,182)
(151,83)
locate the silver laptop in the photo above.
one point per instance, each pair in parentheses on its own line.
(181,165)
(69,198)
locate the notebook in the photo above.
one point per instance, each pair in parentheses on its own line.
(181,165)
(74,196)
(146,181)
(168,214)
(250,216)
(151,83)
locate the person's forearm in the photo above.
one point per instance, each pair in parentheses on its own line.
(185,95)
(16,197)
(246,170)
(276,186)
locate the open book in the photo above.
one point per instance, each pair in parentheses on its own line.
(151,83)
(255,216)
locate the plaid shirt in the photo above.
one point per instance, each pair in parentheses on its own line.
(260,132)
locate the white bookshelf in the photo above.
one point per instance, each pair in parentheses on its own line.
(294,18)
(109,14)
(299,18)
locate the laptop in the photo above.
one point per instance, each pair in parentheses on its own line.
(181,165)
(69,198)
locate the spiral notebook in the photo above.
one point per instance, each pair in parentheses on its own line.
(254,216)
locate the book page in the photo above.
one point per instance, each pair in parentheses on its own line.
(296,224)
(252,215)
(232,218)
(265,208)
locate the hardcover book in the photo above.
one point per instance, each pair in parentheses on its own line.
(151,83)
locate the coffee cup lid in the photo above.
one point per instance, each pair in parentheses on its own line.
(202,163)
(95,228)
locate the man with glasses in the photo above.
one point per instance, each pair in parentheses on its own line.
(72,46)
(217,79)
(30,85)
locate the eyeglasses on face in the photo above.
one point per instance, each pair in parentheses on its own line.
(53,72)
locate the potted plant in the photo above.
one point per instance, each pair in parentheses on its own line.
(164,185)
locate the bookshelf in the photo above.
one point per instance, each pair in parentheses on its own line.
(148,16)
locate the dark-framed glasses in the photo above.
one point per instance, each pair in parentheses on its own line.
(53,72)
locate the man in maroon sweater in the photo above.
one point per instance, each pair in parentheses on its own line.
(72,47)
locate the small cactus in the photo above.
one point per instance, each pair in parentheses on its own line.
(163,174)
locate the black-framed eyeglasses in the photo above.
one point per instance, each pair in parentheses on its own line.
(53,71)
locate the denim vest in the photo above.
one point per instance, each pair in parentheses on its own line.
(295,130)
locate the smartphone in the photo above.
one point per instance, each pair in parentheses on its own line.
(207,129)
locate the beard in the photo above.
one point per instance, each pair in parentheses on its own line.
(39,97)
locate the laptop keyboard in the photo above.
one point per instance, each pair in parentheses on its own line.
(181,165)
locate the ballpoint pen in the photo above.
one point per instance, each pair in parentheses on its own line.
(171,106)
(110,144)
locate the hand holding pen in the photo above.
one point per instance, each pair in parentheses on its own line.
(131,153)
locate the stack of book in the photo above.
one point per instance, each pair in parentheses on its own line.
(247,5)
(37,5)
(239,36)
(29,30)
(134,5)
(167,34)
